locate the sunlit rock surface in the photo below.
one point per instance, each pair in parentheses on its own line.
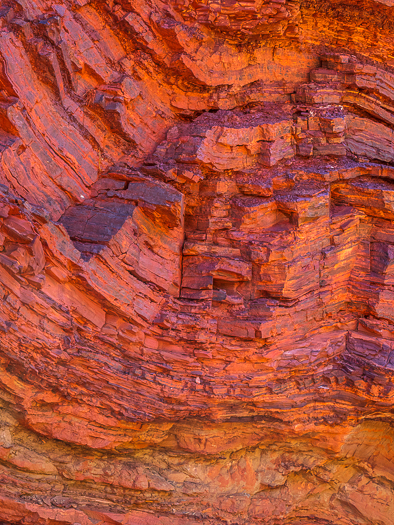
(197,262)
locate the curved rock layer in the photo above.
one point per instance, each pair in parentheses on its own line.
(197,262)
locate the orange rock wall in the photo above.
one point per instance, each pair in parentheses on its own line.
(196,265)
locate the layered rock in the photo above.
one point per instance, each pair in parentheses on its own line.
(196,266)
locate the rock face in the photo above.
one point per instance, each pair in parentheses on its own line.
(197,262)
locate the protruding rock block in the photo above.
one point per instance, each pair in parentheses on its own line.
(140,221)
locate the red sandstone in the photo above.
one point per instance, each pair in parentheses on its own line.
(196,265)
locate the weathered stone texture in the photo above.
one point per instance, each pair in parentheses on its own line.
(196,262)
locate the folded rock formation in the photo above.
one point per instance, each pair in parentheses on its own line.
(197,262)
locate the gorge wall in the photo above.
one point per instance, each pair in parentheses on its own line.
(197,262)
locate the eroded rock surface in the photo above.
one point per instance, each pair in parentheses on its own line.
(196,265)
